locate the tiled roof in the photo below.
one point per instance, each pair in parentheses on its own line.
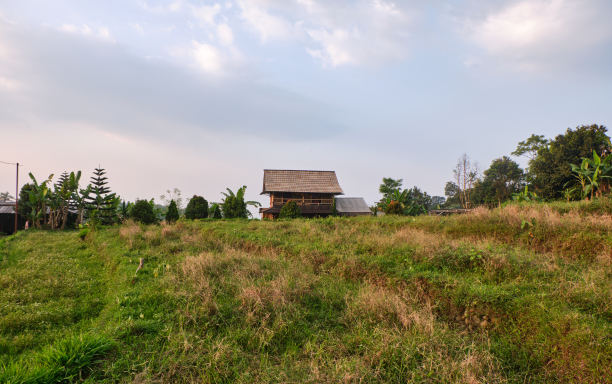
(276,180)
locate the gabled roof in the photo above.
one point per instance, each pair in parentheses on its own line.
(351,205)
(280,180)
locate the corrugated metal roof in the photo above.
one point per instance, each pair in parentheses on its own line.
(352,205)
(7,207)
(277,180)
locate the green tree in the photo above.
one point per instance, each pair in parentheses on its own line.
(389,186)
(172,214)
(125,210)
(234,206)
(290,211)
(531,146)
(25,208)
(197,208)
(64,198)
(410,202)
(214,212)
(451,191)
(503,178)
(550,171)
(101,203)
(143,212)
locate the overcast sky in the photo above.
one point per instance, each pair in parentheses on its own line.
(204,95)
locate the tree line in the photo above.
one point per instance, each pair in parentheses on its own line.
(65,204)
(574,165)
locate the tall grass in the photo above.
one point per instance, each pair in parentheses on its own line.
(69,360)
(516,294)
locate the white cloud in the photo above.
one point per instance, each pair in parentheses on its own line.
(335,33)
(537,34)
(225,34)
(206,13)
(267,25)
(173,6)
(208,57)
(102,33)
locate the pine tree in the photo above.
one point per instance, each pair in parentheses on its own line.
(172,215)
(101,203)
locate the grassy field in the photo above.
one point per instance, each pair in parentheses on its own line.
(520,294)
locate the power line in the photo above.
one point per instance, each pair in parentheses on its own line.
(6,162)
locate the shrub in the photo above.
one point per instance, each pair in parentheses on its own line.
(143,212)
(215,211)
(172,215)
(197,208)
(290,211)
(393,208)
(83,233)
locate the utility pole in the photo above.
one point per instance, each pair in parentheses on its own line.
(17,198)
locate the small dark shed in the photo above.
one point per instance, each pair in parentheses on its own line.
(7,217)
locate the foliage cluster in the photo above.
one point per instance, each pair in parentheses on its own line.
(65,204)
(573,165)
(410,202)
(197,208)
(290,210)
(234,206)
(143,211)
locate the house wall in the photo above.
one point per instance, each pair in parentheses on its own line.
(281,198)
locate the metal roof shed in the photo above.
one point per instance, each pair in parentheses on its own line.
(352,206)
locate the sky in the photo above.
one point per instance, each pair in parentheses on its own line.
(204,95)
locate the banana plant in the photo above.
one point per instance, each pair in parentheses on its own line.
(525,195)
(234,206)
(591,172)
(38,198)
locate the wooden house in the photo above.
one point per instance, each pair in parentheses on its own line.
(313,191)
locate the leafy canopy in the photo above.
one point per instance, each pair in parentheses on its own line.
(550,170)
(234,206)
(197,208)
(290,211)
(143,212)
(172,214)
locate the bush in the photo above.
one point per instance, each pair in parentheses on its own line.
(290,211)
(143,212)
(197,208)
(83,233)
(393,208)
(172,215)
(215,211)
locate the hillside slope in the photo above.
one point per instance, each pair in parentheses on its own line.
(519,294)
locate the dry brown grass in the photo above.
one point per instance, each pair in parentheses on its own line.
(129,231)
(393,308)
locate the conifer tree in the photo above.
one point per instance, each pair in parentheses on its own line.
(101,203)
(172,215)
